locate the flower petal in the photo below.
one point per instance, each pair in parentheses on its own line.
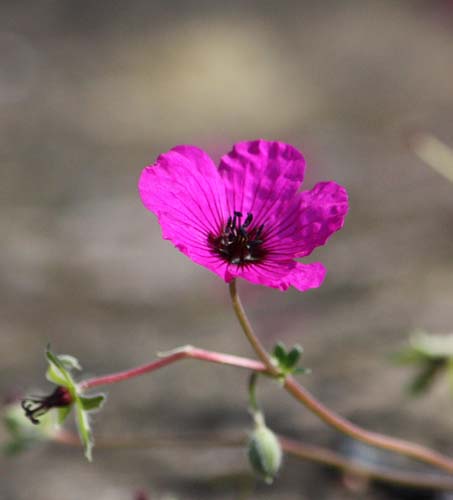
(184,190)
(310,220)
(283,274)
(261,177)
(306,276)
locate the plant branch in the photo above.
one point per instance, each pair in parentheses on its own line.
(248,330)
(303,451)
(186,352)
(339,423)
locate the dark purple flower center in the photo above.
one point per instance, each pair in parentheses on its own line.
(238,243)
(36,407)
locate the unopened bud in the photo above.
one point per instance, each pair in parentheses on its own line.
(264,450)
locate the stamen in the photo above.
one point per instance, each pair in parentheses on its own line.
(238,243)
(248,220)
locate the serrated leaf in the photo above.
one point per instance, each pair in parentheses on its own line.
(293,356)
(90,403)
(280,353)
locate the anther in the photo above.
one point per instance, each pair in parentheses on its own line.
(237,243)
(248,220)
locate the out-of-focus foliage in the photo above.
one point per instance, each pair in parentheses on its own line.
(22,434)
(431,355)
(435,153)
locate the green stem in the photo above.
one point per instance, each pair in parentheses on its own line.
(252,392)
(248,330)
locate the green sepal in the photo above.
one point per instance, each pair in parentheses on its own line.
(63,413)
(69,362)
(83,426)
(59,370)
(90,403)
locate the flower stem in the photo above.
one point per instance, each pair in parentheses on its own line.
(303,451)
(248,330)
(339,423)
(186,352)
(253,404)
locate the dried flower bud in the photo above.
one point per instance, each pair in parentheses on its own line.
(264,450)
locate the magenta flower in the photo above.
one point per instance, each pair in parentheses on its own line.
(245,219)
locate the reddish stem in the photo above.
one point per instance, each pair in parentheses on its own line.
(339,423)
(182,353)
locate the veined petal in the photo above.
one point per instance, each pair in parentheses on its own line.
(306,276)
(266,273)
(184,190)
(283,274)
(246,219)
(261,177)
(311,219)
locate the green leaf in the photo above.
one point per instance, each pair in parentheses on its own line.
(90,403)
(425,377)
(280,353)
(293,356)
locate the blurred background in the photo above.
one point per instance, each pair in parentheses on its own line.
(90,93)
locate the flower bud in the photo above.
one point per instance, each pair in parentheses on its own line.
(264,451)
